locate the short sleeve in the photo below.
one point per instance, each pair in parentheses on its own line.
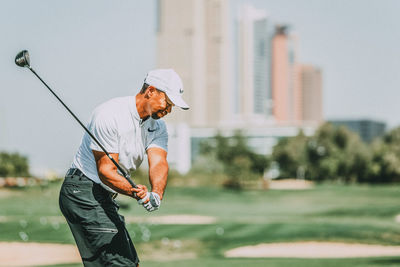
(103,127)
(160,137)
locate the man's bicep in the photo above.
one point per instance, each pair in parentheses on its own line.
(160,142)
(103,163)
(157,155)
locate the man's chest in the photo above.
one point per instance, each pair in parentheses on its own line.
(133,140)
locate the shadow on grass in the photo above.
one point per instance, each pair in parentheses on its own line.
(386,261)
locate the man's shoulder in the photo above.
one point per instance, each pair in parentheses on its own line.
(112,107)
(161,123)
(112,113)
(157,126)
(116,102)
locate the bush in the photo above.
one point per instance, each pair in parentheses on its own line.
(333,153)
(232,157)
(13,165)
(385,162)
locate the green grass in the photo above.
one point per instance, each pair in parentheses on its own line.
(376,262)
(356,213)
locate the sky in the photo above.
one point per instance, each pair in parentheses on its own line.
(91,51)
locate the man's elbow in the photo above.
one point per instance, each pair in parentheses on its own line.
(104,172)
(164,166)
(160,167)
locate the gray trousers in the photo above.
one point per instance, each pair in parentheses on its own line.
(93,218)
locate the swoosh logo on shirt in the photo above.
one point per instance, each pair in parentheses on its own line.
(151,130)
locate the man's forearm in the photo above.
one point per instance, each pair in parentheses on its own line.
(117,182)
(158,176)
(108,174)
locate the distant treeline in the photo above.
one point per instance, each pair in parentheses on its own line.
(332,154)
(13,165)
(338,154)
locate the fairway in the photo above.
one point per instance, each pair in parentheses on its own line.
(326,213)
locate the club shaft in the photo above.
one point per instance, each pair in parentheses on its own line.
(89,133)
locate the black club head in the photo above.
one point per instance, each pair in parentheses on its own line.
(22,59)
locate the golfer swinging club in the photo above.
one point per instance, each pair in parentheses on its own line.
(127,127)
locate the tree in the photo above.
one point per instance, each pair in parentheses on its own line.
(290,154)
(239,162)
(333,153)
(337,153)
(385,165)
(13,164)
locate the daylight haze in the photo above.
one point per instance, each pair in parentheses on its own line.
(91,51)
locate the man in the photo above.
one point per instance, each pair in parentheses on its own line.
(127,127)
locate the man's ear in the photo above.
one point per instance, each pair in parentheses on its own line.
(150,91)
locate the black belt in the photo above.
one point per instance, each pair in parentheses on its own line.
(78,172)
(75,171)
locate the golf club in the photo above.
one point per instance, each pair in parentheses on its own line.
(22,60)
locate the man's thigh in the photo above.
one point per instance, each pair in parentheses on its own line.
(98,229)
(99,248)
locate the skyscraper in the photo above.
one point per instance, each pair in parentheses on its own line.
(311,84)
(193,37)
(237,74)
(286,90)
(253,95)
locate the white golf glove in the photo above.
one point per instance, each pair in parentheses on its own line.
(153,203)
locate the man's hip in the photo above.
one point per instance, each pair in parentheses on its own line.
(92,214)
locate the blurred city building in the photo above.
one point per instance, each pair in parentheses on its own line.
(238,74)
(311,88)
(253,103)
(367,129)
(286,89)
(193,37)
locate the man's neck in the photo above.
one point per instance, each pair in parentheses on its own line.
(140,106)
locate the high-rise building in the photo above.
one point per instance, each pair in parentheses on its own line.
(286,90)
(253,94)
(366,128)
(311,87)
(237,74)
(193,37)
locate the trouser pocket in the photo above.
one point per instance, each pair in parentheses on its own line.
(99,231)
(91,240)
(96,230)
(93,224)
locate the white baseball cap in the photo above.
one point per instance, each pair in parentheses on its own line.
(168,81)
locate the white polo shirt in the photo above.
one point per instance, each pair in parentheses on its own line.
(117,126)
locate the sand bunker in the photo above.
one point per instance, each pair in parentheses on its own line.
(37,254)
(290,184)
(33,254)
(313,250)
(173,219)
(5,193)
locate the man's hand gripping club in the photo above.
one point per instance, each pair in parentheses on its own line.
(151,201)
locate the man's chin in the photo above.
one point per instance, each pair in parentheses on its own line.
(155,116)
